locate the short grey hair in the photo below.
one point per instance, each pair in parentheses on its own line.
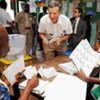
(54,3)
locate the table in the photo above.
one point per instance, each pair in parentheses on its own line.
(57,91)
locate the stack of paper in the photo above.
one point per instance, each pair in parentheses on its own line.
(69,67)
(39,89)
(30,71)
(47,72)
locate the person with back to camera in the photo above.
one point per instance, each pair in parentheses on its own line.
(54,29)
(4,91)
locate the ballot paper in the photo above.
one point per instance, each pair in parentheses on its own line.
(39,89)
(13,69)
(66,87)
(30,71)
(85,57)
(47,72)
(52,40)
(69,67)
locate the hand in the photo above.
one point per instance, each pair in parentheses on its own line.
(81,75)
(45,41)
(58,41)
(18,77)
(32,83)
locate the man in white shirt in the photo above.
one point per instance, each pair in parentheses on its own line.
(5,18)
(54,29)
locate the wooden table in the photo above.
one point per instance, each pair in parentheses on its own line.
(50,63)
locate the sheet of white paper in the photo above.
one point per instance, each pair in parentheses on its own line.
(66,87)
(39,89)
(69,67)
(40,71)
(52,41)
(47,72)
(85,57)
(29,72)
(13,69)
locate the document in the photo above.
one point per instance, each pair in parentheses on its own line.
(39,89)
(69,67)
(30,71)
(66,87)
(47,72)
(13,69)
(52,41)
(85,57)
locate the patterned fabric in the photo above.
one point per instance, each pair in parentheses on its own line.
(4,93)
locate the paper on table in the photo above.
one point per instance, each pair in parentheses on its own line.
(29,72)
(13,69)
(47,72)
(69,67)
(39,89)
(52,41)
(66,87)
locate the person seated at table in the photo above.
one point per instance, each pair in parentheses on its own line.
(94,77)
(82,75)
(4,91)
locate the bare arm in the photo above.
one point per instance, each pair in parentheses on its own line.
(82,76)
(44,38)
(31,84)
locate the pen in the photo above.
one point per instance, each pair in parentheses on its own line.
(42,92)
(23,71)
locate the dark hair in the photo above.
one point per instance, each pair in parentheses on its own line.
(26,7)
(3,4)
(80,10)
(44,9)
(54,3)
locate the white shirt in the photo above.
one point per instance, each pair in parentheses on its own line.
(5,18)
(62,27)
(75,29)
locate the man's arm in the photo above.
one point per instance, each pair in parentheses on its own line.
(44,38)
(82,76)
(31,84)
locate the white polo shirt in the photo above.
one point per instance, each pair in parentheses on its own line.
(5,18)
(62,27)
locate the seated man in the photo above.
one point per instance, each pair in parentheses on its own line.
(32,83)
